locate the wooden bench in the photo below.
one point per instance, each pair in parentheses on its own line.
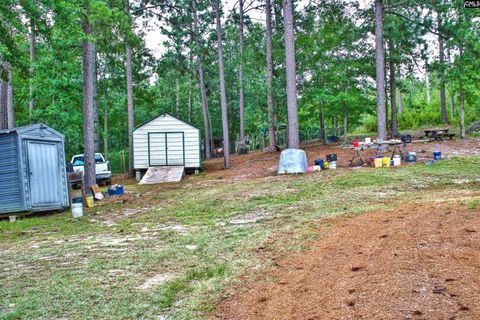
(438,135)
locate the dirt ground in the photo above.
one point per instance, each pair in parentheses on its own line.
(261,164)
(178,251)
(421,261)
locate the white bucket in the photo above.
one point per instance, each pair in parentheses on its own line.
(368,140)
(333,165)
(397,161)
(77,210)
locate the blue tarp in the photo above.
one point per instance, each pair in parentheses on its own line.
(293,161)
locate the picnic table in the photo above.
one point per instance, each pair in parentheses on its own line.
(399,148)
(438,134)
(361,152)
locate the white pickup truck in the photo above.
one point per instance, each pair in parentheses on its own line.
(102,167)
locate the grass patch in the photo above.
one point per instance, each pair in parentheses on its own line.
(474,204)
(54,266)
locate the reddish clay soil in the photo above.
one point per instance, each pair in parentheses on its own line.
(420,261)
(261,164)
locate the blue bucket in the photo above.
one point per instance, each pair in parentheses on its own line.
(321,163)
(437,155)
(412,157)
(116,190)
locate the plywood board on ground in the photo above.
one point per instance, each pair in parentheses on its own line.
(156,175)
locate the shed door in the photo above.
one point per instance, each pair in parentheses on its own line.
(44,170)
(166,149)
(157,155)
(175,149)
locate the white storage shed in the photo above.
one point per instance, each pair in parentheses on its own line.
(166,141)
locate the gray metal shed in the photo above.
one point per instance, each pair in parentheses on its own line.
(33,173)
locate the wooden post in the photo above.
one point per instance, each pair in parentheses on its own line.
(124,167)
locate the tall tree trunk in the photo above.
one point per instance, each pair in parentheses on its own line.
(31,104)
(203,90)
(380,71)
(271,121)
(291,81)
(323,131)
(452,104)
(190,102)
(427,81)
(10,106)
(190,97)
(443,98)
(88,105)
(212,142)
(345,125)
(452,95)
(277,131)
(386,96)
(231,122)
(3,99)
(393,101)
(105,132)
(105,136)
(130,106)
(461,102)
(400,101)
(223,94)
(334,129)
(96,115)
(177,97)
(241,95)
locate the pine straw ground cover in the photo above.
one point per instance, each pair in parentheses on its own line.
(172,252)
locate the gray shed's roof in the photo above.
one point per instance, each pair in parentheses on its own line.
(162,114)
(30,127)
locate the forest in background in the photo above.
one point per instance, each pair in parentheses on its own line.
(431,66)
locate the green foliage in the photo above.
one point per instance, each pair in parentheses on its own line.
(335,64)
(368,123)
(474,204)
(118,161)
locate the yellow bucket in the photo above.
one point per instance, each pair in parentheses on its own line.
(386,162)
(326,165)
(378,162)
(89,201)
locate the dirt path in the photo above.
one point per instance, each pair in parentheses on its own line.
(418,262)
(261,164)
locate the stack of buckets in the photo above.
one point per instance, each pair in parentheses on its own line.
(77,207)
(331,161)
(412,157)
(381,161)
(397,161)
(320,164)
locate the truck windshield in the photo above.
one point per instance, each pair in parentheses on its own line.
(80,161)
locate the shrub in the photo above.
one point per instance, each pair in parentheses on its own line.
(118,161)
